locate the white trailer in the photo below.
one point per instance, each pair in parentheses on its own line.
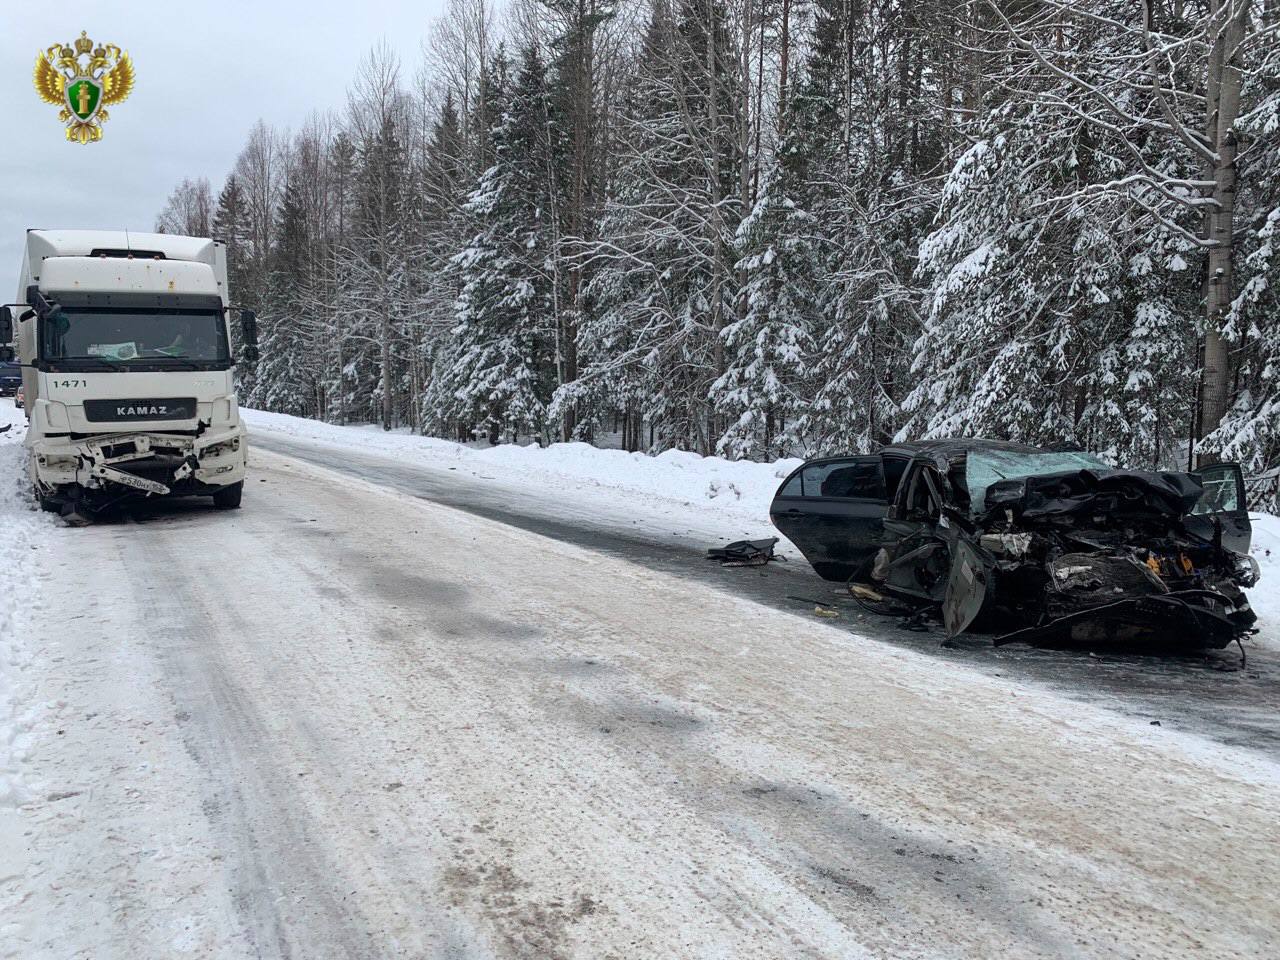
(127,368)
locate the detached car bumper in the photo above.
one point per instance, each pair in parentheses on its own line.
(156,464)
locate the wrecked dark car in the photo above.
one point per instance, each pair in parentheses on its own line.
(1030,544)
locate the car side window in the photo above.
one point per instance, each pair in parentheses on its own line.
(1221,490)
(860,479)
(894,468)
(921,503)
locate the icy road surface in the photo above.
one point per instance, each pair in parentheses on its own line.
(345,722)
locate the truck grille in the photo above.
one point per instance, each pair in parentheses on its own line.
(129,411)
(152,468)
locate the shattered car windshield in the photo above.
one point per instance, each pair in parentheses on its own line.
(985,467)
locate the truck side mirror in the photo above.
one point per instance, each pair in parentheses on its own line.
(6,325)
(249,335)
(41,304)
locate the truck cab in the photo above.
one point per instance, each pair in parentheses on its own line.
(10,373)
(127,369)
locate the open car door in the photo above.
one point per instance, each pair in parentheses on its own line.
(966,588)
(833,511)
(1223,501)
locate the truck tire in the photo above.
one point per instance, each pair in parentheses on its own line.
(50,506)
(228,498)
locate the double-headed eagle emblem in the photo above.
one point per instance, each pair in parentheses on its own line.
(83,82)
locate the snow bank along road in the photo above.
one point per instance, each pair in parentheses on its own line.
(345,722)
(1205,696)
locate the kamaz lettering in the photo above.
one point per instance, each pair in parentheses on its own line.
(154,410)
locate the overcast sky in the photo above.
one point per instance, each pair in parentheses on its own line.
(205,72)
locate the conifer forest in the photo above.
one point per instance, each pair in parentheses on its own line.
(767,228)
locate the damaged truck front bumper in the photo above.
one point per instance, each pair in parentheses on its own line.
(106,468)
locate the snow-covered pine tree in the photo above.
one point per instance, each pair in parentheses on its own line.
(865,135)
(574,173)
(1049,320)
(665,286)
(283,378)
(485,102)
(763,391)
(442,232)
(500,370)
(374,270)
(340,390)
(616,377)
(231,227)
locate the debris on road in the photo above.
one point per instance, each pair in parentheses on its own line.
(745,553)
(821,608)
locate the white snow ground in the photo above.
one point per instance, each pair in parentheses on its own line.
(22,534)
(703,493)
(1265,597)
(343,722)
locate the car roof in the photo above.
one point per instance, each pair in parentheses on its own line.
(943,452)
(955,447)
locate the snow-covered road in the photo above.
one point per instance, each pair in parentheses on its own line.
(346,722)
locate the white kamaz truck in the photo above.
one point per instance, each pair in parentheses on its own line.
(127,369)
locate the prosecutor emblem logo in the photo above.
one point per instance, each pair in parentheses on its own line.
(83,80)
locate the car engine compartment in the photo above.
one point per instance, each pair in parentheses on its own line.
(1084,556)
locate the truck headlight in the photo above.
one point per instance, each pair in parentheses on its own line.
(221,449)
(55,415)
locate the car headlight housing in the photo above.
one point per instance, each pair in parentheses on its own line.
(1248,573)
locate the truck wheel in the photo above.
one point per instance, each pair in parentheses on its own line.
(50,506)
(228,498)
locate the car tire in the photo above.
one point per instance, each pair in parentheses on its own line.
(228,498)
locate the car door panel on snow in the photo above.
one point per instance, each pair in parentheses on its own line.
(833,511)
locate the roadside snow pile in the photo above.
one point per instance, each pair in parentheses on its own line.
(737,487)
(19,574)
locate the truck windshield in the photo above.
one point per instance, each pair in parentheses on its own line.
(135,337)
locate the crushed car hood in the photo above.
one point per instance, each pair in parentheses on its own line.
(1080,493)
